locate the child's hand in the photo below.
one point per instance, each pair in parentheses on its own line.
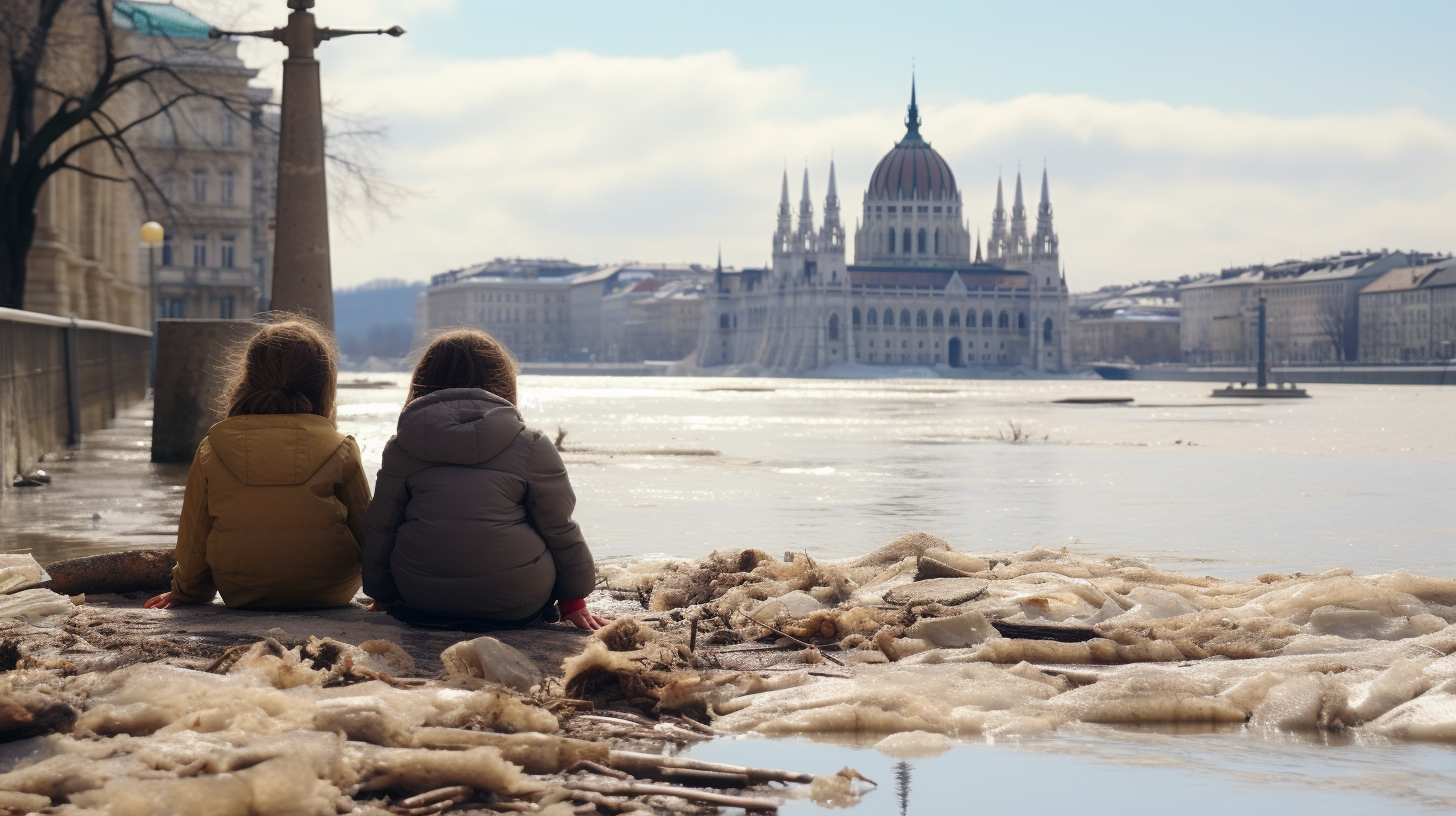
(163,601)
(584,619)
(376,606)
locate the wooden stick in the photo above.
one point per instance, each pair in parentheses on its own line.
(703,779)
(831,658)
(690,794)
(696,726)
(648,763)
(597,768)
(630,717)
(693,636)
(440,794)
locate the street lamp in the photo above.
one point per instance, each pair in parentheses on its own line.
(152,234)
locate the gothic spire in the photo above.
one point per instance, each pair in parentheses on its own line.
(1000,211)
(806,208)
(784,196)
(912,119)
(1018,209)
(831,200)
(978,247)
(1045,208)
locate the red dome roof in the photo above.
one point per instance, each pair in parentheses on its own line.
(913,169)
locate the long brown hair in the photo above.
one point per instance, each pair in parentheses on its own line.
(465,358)
(289,367)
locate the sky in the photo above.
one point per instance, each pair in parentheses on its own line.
(1178,138)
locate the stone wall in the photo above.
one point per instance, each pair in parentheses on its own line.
(60,379)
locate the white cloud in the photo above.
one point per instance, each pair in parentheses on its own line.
(603,158)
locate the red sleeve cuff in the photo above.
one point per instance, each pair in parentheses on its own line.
(567,607)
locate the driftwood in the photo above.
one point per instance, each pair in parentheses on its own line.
(439,795)
(831,658)
(646,765)
(113,572)
(1063,633)
(692,795)
(588,766)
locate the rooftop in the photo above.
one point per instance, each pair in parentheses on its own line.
(159,20)
(1414,277)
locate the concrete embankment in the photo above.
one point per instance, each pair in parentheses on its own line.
(61,379)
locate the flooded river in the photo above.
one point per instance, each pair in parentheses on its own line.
(1358,476)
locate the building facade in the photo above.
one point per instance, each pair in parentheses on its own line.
(913,296)
(1311,308)
(1409,315)
(557,311)
(210,163)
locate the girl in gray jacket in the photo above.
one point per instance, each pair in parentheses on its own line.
(470,525)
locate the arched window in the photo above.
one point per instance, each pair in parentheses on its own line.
(920,242)
(1046,331)
(892,240)
(874,317)
(889,318)
(955,318)
(905,242)
(1003,321)
(938,319)
(937,240)
(920,319)
(905,318)
(723,321)
(854,316)
(1021,321)
(834,327)
(987,321)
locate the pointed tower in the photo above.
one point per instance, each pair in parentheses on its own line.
(785,230)
(1020,244)
(806,209)
(996,248)
(831,235)
(978,247)
(912,116)
(1044,242)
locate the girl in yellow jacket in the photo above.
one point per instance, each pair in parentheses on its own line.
(274,510)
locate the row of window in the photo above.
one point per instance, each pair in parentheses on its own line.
(515,297)
(923,240)
(167,128)
(176,308)
(938,319)
(921,208)
(227,249)
(514,315)
(202,187)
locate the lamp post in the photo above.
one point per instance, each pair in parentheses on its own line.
(301,271)
(152,234)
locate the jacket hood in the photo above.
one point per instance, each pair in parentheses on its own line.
(458,426)
(274,449)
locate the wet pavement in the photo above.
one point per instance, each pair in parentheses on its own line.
(105,494)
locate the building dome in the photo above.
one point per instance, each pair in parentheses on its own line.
(912,169)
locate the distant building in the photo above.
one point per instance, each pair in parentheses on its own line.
(211,162)
(1409,315)
(914,295)
(665,324)
(1136,324)
(554,310)
(1312,309)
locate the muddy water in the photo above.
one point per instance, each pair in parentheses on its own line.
(1358,476)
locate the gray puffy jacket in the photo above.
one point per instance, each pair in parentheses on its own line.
(471,513)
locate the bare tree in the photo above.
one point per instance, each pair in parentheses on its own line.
(1331,319)
(70,88)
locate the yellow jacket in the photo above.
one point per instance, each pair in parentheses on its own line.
(273,514)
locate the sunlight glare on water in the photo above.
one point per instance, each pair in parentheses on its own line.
(1357,476)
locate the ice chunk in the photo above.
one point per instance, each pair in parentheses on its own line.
(914,745)
(34,604)
(487,659)
(1431,716)
(1158,603)
(1293,705)
(968,629)
(796,604)
(19,571)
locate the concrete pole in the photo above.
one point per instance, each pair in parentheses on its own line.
(302,275)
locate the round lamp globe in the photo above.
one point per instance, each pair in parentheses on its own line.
(152,233)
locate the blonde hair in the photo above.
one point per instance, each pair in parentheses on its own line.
(289,367)
(465,358)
